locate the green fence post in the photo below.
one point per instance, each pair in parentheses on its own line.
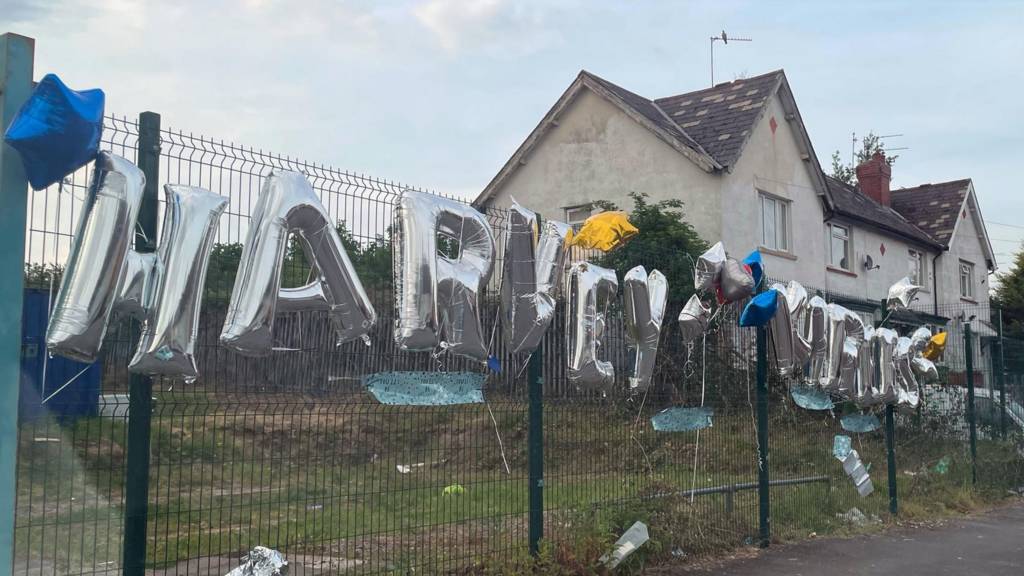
(890,425)
(16,62)
(763,487)
(140,388)
(1001,380)
(535,447)
(971,417)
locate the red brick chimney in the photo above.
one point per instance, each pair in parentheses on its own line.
(873,177)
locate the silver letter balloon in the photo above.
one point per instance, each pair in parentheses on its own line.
(645,299)
(534,260)
(437,294)
(288,205)
(590,291)
(105,276)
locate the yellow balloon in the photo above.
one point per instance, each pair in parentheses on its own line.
(935,347)
(605,231)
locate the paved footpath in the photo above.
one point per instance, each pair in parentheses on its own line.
(989,544)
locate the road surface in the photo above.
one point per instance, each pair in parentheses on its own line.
(989,544)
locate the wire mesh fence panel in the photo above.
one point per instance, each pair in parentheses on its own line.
(291,450)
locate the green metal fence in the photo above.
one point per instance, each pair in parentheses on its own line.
(290,452)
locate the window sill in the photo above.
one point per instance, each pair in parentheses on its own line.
(968,300)
(779,253)
(840,271)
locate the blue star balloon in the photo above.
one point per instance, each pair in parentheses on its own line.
(760,309)
(57,131)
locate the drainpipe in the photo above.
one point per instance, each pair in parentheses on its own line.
(935,284)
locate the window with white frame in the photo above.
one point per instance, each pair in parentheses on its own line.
(774,223)
(915,267)
(839,249)
(966,279)
(576,216)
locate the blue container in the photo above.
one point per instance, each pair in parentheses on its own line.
(80,397)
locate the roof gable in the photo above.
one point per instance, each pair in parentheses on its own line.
(934,208)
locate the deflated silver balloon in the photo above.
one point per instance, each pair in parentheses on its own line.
(796,301)
(919,339)
(866,391)
(735,281)
(816,329)
(886,387)
(924,368)
(780,328)
(849,365)
(287,205)
(532,271)
(693,320)
(437,296)
(590,291)
(901,294)
(829,379)
(908,390)
(96,265)
(167,344)
(708,267)
(644,301)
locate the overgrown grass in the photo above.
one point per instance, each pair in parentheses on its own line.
(322,477)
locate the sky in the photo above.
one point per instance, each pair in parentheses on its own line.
(439,93)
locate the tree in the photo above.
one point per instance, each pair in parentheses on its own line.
(1009,297)
(869,145)
(666,242)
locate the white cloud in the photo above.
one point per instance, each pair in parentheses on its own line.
(451,21)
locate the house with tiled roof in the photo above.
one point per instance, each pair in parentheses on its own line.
(740,158)
(736,154)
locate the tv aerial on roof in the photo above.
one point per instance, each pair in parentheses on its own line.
(724,38)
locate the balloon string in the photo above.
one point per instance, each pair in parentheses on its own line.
(66,384)
(49,314)
(501,446)
(703,381)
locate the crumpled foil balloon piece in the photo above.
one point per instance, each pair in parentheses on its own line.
(262,561)
(89,289)
(919,338)
(810,397)
(56,131)
(645,297)
(693,320)
(534,260)
(780,328)
(735,282)
(935,347)
(924,368)
(177,277)
(683,419)
(438,297)
(605,231)
(590,291)
(902,294)
(708,267)
(426,388)
(887,388)
(816,331)
(106,278)
(288,205)
(842,445)
(855,469)
(860,423)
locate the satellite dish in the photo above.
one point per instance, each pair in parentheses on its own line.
(869,262)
